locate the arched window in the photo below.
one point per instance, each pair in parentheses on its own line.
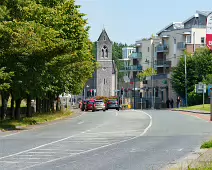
(104,51)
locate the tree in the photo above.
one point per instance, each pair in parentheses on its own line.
(199,68)
(46,44)
(146,73)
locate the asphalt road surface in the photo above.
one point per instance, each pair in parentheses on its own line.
(111,140)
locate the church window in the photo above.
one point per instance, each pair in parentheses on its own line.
(104,81)
(104,38)
(104,52)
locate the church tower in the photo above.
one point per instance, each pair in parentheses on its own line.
(106,74)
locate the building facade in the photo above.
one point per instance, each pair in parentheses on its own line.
(104,80)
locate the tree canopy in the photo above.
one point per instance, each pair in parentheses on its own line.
(199,68)
(45,44)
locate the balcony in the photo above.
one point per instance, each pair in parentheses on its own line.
(162,48)
(131,68)
(135,55)
(181,45)
(163,63)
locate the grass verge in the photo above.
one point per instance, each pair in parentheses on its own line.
(197,107)
(206,145)
(36,119)
(207,166)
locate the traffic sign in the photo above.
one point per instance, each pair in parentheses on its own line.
(209,89)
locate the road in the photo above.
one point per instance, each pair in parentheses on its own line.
(111,140)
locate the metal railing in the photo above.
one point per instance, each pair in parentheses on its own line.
(162,48)
(135,55)
(131,68)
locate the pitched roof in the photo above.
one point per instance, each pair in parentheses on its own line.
(164,29)
(102,34)
(204,13)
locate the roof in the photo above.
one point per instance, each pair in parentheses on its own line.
(104,33)
(204,13)
(164,29)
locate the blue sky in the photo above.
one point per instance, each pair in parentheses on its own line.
(131,20)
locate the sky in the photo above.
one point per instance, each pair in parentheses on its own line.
(127,21)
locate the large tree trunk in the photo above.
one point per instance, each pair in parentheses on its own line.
(57,104)
(12,107)
(5,97)
(29,107)
(18,109)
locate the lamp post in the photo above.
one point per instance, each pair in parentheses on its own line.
(186,102)
(84,91)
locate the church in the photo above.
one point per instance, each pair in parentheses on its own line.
(104,80)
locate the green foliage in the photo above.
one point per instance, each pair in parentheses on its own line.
(207,145)
(116,55)
(146,73)
(46,45)
(5,79)
(199,69)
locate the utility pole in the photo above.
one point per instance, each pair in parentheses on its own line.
(153,105)
(186,102)
(134,92)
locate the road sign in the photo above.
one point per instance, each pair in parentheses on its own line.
(209,89)
(200,88)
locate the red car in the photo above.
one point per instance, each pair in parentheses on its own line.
(90,105)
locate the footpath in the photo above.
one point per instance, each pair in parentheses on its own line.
(199,159)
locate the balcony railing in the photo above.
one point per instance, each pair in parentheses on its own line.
(163,63)
(135,55)
(162,48)
(131,68)
(181,45)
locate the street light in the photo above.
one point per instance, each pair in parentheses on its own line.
(84,90)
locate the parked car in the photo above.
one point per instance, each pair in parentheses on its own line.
(90,105)
(112,104)
(99,105)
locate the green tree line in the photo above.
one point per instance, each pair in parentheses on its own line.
(44,51)
(199,69)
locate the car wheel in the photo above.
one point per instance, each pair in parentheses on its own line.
(104,110)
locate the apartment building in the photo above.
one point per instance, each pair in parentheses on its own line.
(175,39)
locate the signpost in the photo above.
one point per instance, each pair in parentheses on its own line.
(201,88)
(209,31)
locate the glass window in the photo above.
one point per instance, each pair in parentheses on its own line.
(148,49)
(202,40)
(188,39)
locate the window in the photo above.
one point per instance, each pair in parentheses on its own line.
(162,95)
(188,39)
(104,52)
(175,41)
(104,81)
(148,49)
(202,40)
(104,38)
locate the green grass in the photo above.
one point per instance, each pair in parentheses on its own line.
(198,107)
(207,166)
(207,145)
(36,119)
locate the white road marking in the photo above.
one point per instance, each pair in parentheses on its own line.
(41,152)
(97,148)
(47,144)
(80,123)
(180,149)
(39,127)
(116,113)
